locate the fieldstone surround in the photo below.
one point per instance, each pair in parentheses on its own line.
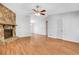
(7,21)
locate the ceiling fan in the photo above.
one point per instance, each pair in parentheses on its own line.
(38,11)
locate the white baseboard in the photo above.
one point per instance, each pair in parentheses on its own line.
(28,35)
(71,40)
(39,34)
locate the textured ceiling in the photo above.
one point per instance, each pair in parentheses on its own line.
(52,8)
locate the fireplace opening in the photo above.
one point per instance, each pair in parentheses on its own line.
(8,33)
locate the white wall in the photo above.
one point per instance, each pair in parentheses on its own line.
(39,27)
(52,26)
(71,26)
(23,25)
(64,26)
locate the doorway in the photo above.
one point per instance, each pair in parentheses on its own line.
(39,28)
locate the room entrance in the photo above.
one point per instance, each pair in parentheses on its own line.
(39,28)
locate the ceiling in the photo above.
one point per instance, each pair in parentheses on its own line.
(51,8)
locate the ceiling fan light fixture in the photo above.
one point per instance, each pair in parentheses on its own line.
(37,14)
(39,11)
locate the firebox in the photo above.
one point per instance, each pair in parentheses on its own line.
(8,33)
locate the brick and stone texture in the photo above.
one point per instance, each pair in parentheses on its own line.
(7,18)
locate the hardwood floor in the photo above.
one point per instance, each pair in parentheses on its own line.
(39,45)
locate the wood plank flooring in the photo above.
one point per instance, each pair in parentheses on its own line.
(39,45)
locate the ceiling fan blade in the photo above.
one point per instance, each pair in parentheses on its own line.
(34,10)
(43,11)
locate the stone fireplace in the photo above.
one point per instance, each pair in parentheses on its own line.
(7,24)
